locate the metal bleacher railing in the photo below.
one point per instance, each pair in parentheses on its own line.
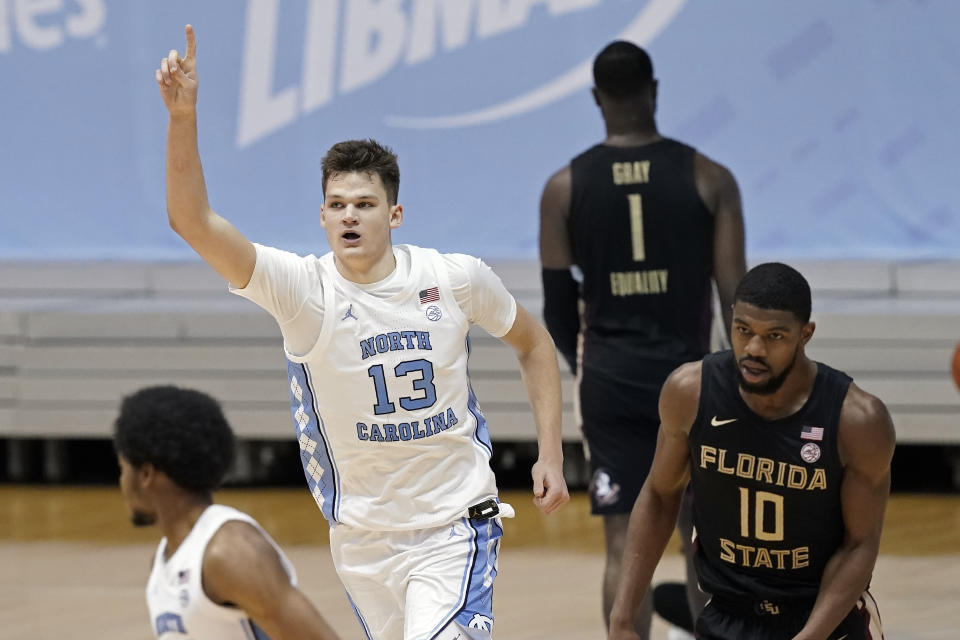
(76,337)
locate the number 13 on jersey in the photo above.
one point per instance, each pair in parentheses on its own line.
(409,403)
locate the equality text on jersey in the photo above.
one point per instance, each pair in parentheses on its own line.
(637,283)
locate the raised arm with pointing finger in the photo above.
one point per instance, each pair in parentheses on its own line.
(394,444)
(217,241)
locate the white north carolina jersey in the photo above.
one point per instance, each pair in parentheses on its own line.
(179,608)
(391,434)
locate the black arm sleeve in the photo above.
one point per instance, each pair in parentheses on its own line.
(561,312)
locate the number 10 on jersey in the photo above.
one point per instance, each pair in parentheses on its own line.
(762,499)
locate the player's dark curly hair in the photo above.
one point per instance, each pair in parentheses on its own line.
(774,285)
(622,70)
(364,156)
(181,432)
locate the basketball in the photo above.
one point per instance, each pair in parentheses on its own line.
(956,366)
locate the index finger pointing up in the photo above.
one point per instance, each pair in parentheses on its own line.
(191,42)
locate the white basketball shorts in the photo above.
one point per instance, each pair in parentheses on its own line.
(426,584)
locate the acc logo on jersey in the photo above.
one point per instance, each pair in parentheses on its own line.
(480,622)
(810,452)
(434,313)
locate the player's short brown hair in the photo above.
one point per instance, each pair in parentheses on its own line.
(364,156)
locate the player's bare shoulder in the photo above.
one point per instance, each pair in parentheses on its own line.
(237,538)
(237,555)
(680,397)
(715,183)
(866,428)
(555,200)
(555,251)
(561,180)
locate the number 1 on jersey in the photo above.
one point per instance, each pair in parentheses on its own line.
(636,227)
(380,386)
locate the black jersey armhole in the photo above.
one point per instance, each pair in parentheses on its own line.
(706,365)
(691,153)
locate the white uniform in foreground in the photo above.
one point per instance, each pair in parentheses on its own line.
(394,445)
(179,607)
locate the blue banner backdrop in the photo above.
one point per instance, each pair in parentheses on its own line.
(838,118)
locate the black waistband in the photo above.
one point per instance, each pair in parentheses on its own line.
(484,510)
(762,606)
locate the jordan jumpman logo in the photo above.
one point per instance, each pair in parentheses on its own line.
(349,314)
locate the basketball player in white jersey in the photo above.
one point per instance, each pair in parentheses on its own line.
(216,574)
(394,445)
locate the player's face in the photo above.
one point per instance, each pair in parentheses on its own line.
(130,488)
(358,218)
(766,344)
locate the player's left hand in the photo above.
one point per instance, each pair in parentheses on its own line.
(177,78)
(549,487)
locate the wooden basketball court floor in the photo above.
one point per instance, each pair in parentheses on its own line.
(71,566)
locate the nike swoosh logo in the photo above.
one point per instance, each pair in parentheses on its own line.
(720,423)
(843,636)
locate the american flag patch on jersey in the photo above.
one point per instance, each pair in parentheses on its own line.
(812,433)
(429,295)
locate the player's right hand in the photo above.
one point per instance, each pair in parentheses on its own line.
(549,487)
(177,78)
